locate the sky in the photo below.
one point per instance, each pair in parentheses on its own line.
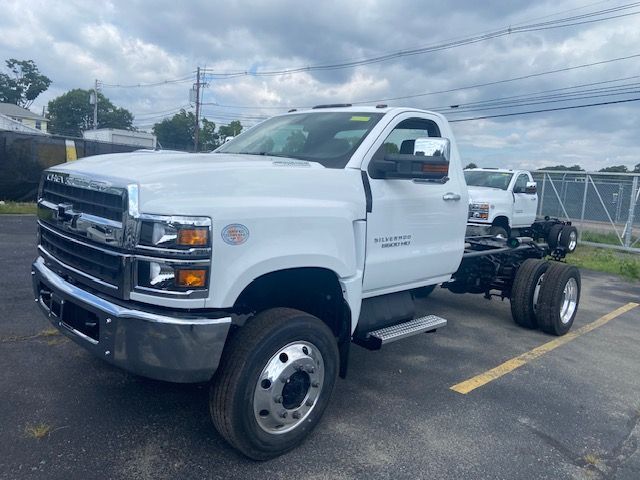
(145,55)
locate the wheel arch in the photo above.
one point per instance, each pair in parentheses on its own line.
(501,221)
(314,290)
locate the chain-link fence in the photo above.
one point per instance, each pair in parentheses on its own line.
(605,206)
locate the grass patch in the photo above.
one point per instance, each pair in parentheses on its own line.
(624,264)
(49,332)
(10,208)
(38,431)
(610,238)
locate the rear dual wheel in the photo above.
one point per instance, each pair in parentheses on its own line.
(565,236)
(545,295)
(526,291)
(559,297)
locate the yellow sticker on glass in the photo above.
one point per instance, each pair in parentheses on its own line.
(360,119)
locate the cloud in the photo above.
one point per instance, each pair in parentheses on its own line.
(133,42)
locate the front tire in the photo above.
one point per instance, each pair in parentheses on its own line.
(497,231)
(274,382)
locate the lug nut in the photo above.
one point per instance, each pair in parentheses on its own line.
(315,384)
(283,379)
(310,370)
(278,399)
(309,403)
(296,415)
(299,368)
(283,414)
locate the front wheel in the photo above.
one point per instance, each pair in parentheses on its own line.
(274,382)
(499,232)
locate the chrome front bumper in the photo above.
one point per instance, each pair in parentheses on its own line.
(164,347)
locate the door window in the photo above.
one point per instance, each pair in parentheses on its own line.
(401,142)
(402,137)
(521,184)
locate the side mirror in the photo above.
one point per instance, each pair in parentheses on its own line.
(531,188)
(422,158)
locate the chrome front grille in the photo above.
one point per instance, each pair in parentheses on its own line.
(108,203)
(82,226)
(97,263)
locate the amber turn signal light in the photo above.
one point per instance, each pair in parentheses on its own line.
(191,278)
(193,236)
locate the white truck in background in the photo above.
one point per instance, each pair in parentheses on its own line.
(257,266)
(501,199)
(504,203)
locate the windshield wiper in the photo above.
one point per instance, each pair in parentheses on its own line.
(264,154)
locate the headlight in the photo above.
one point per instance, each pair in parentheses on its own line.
(479,210)
(168,276)
(176,256)
(175,232)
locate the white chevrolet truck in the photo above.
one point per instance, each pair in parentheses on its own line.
(505,203)
(257,266)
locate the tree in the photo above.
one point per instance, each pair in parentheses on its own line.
(24,83)
(615,169)
(231,130)
(208,136)
(636,169)
(177,132)
(71,114)
(573,168)
(471,165)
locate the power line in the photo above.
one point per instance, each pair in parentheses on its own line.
(498,82)
(584,97)
(537,93)
(183,79)
(455,89)
(485,117)
(558,98)
(567,21)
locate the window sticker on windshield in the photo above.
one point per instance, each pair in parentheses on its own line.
(356,118)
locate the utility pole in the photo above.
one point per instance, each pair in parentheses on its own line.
(95,105)
(197,132)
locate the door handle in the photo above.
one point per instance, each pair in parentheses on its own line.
(451,196)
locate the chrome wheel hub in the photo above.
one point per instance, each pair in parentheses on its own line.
(573,241)
(288,387)
(569,301)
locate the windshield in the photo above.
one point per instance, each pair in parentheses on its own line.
(499,180)
(329,138)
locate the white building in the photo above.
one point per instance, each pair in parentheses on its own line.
(13,117)
(123,137)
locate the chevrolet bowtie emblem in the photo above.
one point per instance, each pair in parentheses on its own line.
(66,213)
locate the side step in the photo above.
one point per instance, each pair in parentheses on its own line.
(377,338)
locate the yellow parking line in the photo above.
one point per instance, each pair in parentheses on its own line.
(510,365)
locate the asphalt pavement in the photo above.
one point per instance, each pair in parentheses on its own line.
(572,413)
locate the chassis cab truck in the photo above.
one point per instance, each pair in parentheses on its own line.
(505,202)
(257,266)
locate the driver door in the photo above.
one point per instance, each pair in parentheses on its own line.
(524,204)
(416,228)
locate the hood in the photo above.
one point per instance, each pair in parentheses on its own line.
(487,195)
(176,183)
(149,166)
